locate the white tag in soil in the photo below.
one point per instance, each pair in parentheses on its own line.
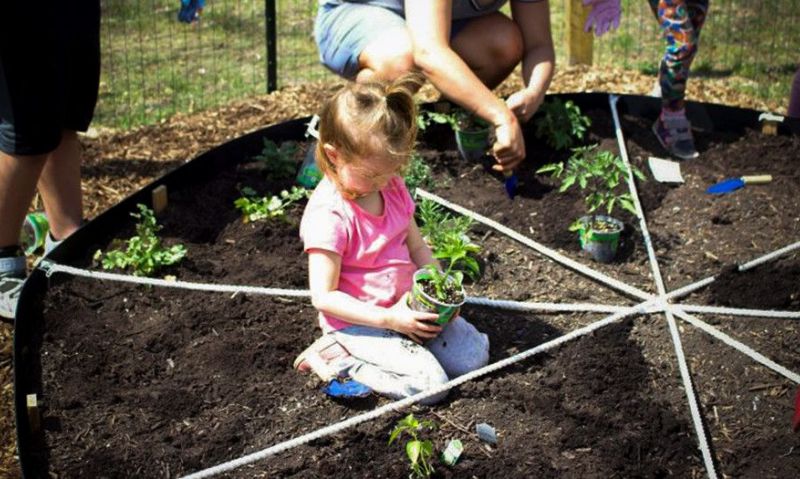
(665,171)
(486,433)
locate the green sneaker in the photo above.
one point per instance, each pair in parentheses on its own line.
(12,277)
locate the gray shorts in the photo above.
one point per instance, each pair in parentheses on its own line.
(342,31)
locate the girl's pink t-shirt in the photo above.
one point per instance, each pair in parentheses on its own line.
(376,263)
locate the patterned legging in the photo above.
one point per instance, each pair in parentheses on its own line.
(681,22)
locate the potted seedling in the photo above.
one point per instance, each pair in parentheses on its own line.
(438,291)
(448,238)
(598,173)
(561,123)
(144,253)
(419,451)
(473,135)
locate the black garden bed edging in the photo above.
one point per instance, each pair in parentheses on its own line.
(26,342)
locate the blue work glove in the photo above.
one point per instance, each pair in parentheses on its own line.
(604,16)
(190,10)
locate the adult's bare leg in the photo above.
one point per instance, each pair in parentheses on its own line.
(18,176)
(491,45)
(60,187)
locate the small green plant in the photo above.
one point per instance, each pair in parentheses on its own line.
(255,208)
(448,238)
(418,450)
(144,253)
(598,173)
(418,174)
(458,119)
(561,123)
(278,162)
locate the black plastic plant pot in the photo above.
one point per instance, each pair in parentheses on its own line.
(420,300)
(602,243)
(473,142)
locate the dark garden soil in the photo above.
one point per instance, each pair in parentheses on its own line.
(156,382)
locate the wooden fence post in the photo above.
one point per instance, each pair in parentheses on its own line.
(579,43)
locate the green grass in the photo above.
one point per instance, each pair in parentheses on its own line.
(154,66)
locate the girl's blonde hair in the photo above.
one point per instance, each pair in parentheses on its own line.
(361,113)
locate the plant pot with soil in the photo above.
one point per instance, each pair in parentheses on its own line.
(599,236)
(473,135)
(599,173)
(438,292)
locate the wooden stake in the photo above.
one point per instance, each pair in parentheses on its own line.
(159,199)
(34,416)
(579,43)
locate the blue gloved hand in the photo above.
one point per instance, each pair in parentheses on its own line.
(190,10)
(604,16)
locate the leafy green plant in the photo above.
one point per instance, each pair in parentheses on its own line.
(255,208)
(448,237)
(561,123)
(598,173)
(278,162)
(419,451)
(418,174)
(144,253)
(458,119)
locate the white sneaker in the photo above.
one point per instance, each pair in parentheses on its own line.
(12,277)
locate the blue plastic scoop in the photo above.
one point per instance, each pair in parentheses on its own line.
(733,184)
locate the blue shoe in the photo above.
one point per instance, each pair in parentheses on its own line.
(674,132)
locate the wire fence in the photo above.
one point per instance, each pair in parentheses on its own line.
(153,66)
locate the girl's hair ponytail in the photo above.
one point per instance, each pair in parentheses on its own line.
(360,113)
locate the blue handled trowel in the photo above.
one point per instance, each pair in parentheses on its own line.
(733,184)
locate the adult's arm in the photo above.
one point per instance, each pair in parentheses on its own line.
(538,60)
(428,23)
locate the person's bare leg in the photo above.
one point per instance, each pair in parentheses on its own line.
(18,176)
(491,46)
(388,57)
(60,187)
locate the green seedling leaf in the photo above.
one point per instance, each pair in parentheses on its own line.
(144,253)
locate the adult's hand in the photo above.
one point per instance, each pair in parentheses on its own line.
(524,103)
(604,16)
(509,145)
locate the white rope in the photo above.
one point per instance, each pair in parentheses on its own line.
(741,347)
(51,268)
(691,395)
(689,288)
(552,254)
(769,256)
(397,405)
(557,307)
(758,313)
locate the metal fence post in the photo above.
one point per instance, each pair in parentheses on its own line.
(579,43)
(272,45)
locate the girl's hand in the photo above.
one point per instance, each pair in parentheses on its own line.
(418,326)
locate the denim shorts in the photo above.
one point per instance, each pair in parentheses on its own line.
(342,31)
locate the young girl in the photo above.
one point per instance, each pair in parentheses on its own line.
(363,247)
(681,22)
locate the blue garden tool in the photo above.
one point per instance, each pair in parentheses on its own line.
(733,184)
(190,10)
(511,183)
(346,388)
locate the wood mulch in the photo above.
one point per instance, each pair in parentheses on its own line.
(118,163)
